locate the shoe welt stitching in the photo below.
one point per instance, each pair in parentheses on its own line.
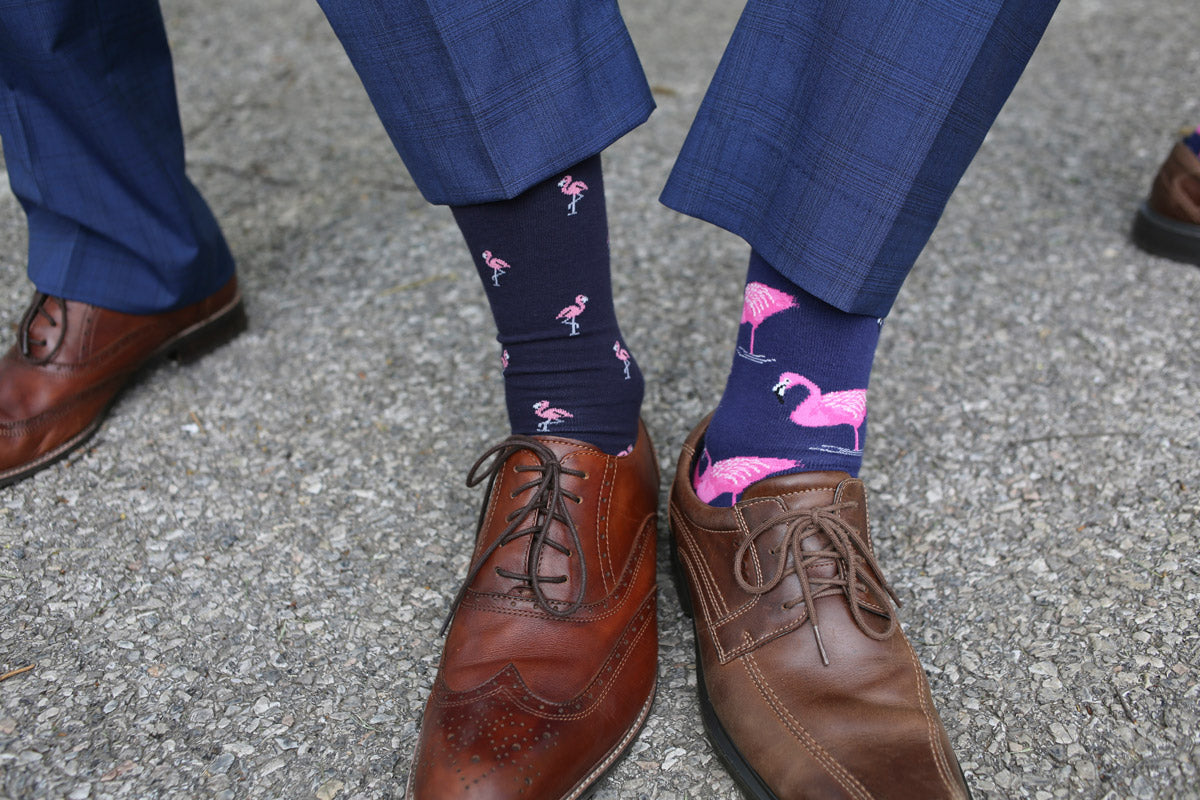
(634,631)
(722,657)
(627,642)
(638,626)
(635,636)
(935,741)
(687,538)
(70,406)
(618,749)
(832,766)
(605,506)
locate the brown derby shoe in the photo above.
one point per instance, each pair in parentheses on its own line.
(808,687)
(1168,223)
(549,668)
(72,359)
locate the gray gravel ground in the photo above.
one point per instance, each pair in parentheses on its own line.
(234,590)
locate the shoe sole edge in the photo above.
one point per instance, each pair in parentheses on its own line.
(1162,236)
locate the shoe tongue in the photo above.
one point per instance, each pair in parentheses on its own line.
(803,491)
(794,482)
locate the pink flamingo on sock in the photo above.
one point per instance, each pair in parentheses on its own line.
(761,302)
(733,475)
(504,359)
(499,266)
(625,452)
(622,355)
(574,190)
(824,410)
(549,415)
(568,314)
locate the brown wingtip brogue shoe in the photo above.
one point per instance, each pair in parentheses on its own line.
(1168,222)
(549,667)
(808,687)
(71,360)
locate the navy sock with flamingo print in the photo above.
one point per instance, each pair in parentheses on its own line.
(796,397)
(543,259)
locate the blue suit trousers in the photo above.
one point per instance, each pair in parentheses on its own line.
(830,139)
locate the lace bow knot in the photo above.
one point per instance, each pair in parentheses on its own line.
(853,563)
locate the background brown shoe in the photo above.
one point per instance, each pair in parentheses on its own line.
(71,360)
(808,687)
(1168,223)
(549,668)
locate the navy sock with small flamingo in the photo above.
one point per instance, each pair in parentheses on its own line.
(544,262)
(796,397)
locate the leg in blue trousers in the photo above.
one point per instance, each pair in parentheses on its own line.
(94,150)
(830,139)
(126,257)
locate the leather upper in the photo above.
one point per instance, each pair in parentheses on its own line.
(534,699)
(836,709)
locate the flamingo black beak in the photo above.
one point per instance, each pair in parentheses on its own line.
(779,389)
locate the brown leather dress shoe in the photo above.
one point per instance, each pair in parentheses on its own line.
(549,668)
(808,688)
(1168,223)
(71,360)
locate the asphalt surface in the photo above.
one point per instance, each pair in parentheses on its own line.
(234,590)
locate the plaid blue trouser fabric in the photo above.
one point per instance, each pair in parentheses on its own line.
(482,99)
(831,138)
(834,132)
(94,152)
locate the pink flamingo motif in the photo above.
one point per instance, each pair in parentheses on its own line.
(568,314)
(504,359)
(761,302)
(622,355)
(549,415)
(499,266)
(574,190)
(734,474)
(625,452)
(824,410)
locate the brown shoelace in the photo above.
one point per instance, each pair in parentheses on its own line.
(545,505)
(854,561)
(38,306)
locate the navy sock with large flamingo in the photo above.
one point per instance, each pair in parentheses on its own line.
(543,259)
(796,398)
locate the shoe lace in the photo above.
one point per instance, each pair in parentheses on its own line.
(546,504)
(27,343)
(856,566)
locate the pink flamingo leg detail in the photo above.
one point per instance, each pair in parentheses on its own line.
(762,301)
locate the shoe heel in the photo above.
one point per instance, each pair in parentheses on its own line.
(680,581)
(208,338)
